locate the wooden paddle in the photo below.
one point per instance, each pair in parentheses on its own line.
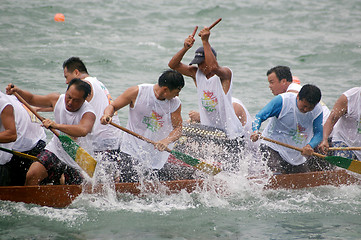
(205,167)
(80,156)
(215,23)
(344,148)
(349,164)
(194,31)
(20,154)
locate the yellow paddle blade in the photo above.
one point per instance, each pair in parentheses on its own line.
(80,156)
(85,161)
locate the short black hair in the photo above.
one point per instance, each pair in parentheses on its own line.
(171,79)
(310,93)
(281,73)
(75,63)
(80,85)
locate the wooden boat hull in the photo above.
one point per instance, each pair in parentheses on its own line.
(60,196)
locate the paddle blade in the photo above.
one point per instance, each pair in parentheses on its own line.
(204,167)
(80,156)
(349,164)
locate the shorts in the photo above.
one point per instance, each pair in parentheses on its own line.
(278,165)
(344,153)
(55,168)
(19,166)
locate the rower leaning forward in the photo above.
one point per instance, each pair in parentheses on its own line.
(74,117)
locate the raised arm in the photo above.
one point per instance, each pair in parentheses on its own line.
(176,62)
(224,73)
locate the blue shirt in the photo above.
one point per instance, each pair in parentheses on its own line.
(273,109)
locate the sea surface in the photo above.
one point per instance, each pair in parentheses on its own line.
(125,43)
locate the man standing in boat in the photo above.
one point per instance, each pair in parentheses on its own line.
(297,121)
(344,123)
(214,86)
(73,116)
(105,138)
(155,113)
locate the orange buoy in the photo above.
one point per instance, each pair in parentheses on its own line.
(59,17)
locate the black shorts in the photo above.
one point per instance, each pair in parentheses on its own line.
(55,168)
(19,166)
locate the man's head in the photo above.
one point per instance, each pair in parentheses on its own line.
(73,68)
(279,78)
(172,81)
(308,97)
(76,94)
(199,56)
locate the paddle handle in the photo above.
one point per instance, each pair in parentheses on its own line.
(215,23)
(194,31)
(20,154)
(290,146)
(135,134)
(22,100)
(344,148)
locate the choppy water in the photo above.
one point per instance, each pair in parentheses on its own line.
(125,43)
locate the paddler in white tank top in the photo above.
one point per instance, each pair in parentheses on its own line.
(297,121)
(345,124)
(30,140)
(105,138)
(73,116)
(214,86)
(155,113)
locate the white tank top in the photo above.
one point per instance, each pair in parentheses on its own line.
(215,107)
(291,127)
(28,132)
(4,156)
(325,109)
(248,126)
(63,116)
(150,118)
(104,137)
(348,127)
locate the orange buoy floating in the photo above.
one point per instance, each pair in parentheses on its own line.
(59,17)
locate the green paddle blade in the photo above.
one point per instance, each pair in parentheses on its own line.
(80,156)
(349,164)
(205,167)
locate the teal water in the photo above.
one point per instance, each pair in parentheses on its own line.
(125,43)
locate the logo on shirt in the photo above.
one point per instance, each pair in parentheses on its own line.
(154,123)
(299,135)
(209,101)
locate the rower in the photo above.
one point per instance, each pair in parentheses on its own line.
(297,121)
(155,113)
(105,138)
(19,133)
(344,123)
(74,117)
(213,83)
